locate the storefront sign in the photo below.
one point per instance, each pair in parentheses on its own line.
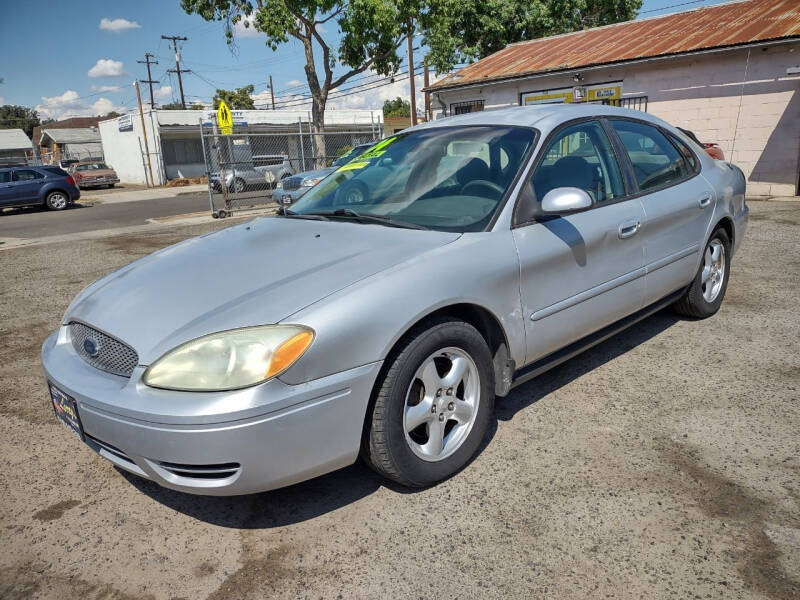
(125,123)
(585,93)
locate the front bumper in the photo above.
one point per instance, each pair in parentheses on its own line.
(239,442)
(97,183)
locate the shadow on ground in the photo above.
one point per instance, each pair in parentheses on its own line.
(322,495)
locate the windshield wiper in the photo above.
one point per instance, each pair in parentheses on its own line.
(289,213)
(349,213)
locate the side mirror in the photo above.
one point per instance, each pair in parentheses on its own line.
(566,200)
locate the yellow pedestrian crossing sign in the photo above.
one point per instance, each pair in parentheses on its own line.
(224,118)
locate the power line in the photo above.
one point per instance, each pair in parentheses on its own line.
(643,12)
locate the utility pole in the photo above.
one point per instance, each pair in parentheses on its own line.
(272,92)
(175,39)
(427,81)
(411,72)
(144,133)
(148,62)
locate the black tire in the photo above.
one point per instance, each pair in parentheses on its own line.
(57,200)
(351,193)
(385,447)
(238,185)
(111,185)
(693,303)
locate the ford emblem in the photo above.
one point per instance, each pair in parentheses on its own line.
(91,347)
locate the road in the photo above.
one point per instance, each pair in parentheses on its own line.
(663,463)
(35,222)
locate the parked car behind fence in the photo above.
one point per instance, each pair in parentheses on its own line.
(50,186)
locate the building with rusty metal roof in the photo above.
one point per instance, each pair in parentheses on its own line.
(729,72)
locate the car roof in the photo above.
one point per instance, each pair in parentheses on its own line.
(542,116)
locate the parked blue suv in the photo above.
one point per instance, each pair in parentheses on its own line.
(48,185)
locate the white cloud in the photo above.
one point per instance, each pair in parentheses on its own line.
(106,67)
(118,25)
(70,104)
(243,31)
(106,88)
(2,101)
(165,91)
(294,83)
(373,98)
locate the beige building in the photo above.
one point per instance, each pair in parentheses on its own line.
(730,73)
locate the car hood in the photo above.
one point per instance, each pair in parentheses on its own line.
(316,173)
(251,274)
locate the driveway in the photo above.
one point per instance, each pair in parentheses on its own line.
(663,463)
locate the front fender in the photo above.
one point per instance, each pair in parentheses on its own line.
(361,323)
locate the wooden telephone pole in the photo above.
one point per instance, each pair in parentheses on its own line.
(149,79)
(427,81)
(144,133)
(272,92)
(175,39)
(411,73)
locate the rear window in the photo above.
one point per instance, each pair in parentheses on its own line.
(91,167)
(55,171)
(5,176)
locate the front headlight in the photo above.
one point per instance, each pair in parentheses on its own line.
(311,181)
(230,359)
(279,185)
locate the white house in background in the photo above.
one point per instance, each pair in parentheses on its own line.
(15,147)
(175,148)
(729,72)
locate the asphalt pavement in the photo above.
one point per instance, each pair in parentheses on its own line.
(663,463)
(36,222)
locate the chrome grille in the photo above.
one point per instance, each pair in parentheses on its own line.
(292,183)
(110,354)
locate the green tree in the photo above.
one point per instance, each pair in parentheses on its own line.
(238,99)
(172,106)
(19,117)
(112,115)
(371,33)
(397,108)
(458,31)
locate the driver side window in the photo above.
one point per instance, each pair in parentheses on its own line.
(580,156)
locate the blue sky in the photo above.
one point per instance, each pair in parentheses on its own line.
(79,57)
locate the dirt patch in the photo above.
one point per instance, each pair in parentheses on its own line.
(56,511)
(756,555)
(22,583)
(141,245)
(257,576)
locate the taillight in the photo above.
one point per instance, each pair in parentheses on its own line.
(70,180)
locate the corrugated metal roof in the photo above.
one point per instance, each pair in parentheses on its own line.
(72,136)
(14,139)
(723,25)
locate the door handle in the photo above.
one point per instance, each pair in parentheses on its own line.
(629,228)
(704,200)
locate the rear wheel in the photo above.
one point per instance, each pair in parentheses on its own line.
(238,185)
(57,200)
(705,294)
(433,404)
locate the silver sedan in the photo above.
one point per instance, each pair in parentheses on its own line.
(440,269)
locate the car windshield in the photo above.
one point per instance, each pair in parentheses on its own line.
(350,155)
(446,178)
(91,167)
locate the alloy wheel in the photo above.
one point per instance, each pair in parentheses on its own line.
(713,274)
(441,404)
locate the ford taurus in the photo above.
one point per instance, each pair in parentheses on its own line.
(433,273)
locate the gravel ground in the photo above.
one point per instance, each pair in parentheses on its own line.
(663,463)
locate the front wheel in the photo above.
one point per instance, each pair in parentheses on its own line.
(705,294)
(433,404)
(56,200)
(238,185)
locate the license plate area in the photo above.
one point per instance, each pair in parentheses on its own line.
(66,409)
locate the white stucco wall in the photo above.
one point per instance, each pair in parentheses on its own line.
(122,153)
(754,117)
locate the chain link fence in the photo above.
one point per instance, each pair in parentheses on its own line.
(244,168)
